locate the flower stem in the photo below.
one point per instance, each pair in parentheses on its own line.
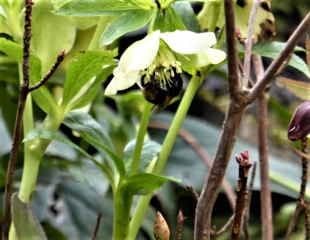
(168,143)
(140,137)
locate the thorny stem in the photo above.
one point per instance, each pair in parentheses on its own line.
(265,193)
(232,121)
(302,205)
(167,145)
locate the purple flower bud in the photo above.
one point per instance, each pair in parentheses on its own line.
(299,126)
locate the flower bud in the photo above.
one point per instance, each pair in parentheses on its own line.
(161,228)
(299,126)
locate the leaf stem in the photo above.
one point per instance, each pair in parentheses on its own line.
(140,137)
(168,143)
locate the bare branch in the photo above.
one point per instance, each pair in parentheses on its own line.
(249,43)
(53,69)
(17,132)
(276,63)
(265,194)
(233,75)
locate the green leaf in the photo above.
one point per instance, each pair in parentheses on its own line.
(56,136)
(272,50)
(42,96)
(25,223)
(51,34)
(95,7)
(127,22)
(187,14)
(168,20)
(144,183)
(298,88)
(92,132)
(82,81)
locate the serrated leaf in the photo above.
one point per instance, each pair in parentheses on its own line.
(92,132)
(42,96)
(95,7)
(144,183)
(127,22)
(56,136)
(82,75)
(25,223)
(57,35)
(298,88)
(272,50)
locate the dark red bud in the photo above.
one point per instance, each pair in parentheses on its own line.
(299,126)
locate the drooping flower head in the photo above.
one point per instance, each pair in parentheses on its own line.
(152,62)
(299,126)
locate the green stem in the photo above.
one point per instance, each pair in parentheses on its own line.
(167,146)
(135,165)
(122,204)
(103,22)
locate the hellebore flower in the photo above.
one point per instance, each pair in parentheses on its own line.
(299,126)
(152,63)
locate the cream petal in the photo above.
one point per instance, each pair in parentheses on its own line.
(121,81)
(210,56)
(187,42)
(140,54)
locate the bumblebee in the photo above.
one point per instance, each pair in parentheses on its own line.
(162,86)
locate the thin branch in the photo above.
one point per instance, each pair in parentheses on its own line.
(233,76)
(96,229)
(248,204)
(265,194)
(249,43)
(301,204)
(307,220)
(226,227)
(242,194)
(17,132)
(53,69)
(276,63)
(202,153)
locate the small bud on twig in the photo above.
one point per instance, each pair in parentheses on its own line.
(299,126)
(161,228)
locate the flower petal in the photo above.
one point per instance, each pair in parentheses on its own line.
(140,54)
(121,81)
(210,56)
(187,42)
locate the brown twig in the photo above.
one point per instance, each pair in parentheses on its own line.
(232,122)
(242,194)
(202,153)
(17,132)
(248,204)
(277,62)
(233,77)
(25,89)
(53,69)
(301,205)
(180,226)
(265,193)
(249,43)
(96,229)
(307,221)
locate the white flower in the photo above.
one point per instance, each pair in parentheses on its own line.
(142,54)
